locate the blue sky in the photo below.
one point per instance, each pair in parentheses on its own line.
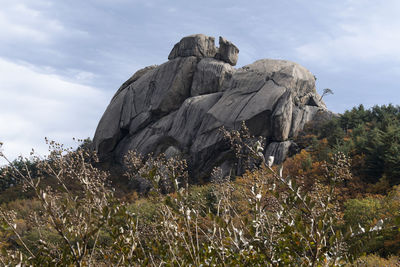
(61,61)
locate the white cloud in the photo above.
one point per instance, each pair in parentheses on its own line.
(35,105)
(364,31)
(34,23)
(19,22)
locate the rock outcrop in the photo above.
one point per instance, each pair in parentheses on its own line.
(227,51)
(197,45)
(180,106)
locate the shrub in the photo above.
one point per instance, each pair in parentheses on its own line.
(263,218)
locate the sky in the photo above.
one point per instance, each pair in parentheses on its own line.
(62,61)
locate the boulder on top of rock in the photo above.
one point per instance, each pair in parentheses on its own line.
(227,51)
(198,45)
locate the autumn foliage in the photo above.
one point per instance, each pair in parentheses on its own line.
(328,205)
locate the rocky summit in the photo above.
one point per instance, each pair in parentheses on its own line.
(178,108)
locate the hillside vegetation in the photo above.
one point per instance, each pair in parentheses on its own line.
(335,203)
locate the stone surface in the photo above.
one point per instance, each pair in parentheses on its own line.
(279,150)
(210,76)
(156,93)
(227,51)
(180,106)
(190,117)
(198,45)
(282,117)
(134,78)
(172,151)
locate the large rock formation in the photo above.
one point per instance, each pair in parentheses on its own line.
(180,106)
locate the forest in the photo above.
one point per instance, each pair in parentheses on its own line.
(335,202)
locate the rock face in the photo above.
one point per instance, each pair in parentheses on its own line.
(227,51)
(179,106)
(197,45)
